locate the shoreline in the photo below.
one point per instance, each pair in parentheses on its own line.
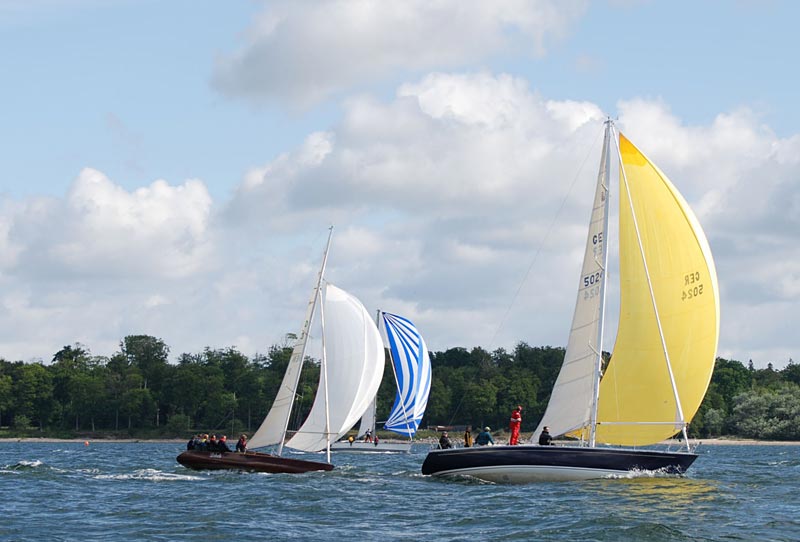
(697,442)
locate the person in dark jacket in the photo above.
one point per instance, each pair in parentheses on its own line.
(222,444)
(544,438)
(191,444)
(444,441)
(484,438)
(241,445)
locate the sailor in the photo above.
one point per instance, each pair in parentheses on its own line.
(484,438)
(545,439)
(444,441)
(514,424)
(350,439)
(241,445)
(222,444)
(468,437)
(375,439)
(368,436)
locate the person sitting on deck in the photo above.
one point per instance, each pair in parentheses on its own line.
(375,439)
(241,446)
(222,444)
(484,438)
(544,438)
(211,445)
(444,441)
(192,442)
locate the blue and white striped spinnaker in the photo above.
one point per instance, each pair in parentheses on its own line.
(412,367)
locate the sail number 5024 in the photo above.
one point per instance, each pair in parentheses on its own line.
(692,287)
(591,280)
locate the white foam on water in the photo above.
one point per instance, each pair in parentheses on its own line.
(150,475)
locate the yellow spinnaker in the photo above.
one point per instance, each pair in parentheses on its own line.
(636,386)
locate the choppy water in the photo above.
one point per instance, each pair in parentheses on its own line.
(136,491)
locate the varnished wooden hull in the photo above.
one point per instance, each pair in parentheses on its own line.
(250,461)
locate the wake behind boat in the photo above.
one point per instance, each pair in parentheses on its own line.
(664,351)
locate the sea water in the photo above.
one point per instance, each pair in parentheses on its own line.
(137,491)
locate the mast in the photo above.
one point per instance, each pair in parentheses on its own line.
(324,370)
(604,180)
(374,405)
(304,335)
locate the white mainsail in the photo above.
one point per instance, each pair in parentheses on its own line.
(575,389)
(355,359)
(368,420)
(273,428)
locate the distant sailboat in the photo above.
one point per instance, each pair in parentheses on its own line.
(411,366)
(664,352)
(351,370)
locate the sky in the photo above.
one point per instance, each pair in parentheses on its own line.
(172,168)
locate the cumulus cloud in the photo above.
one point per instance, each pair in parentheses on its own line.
(101,229)
(305,52)
(461,202)
(464,180)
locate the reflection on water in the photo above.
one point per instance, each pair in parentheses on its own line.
(645,494)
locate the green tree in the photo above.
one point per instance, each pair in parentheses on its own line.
(6,397)
(33,392)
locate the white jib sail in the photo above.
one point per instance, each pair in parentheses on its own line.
(355,358)
(571,400)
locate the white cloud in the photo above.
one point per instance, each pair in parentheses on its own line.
(443,198)
(305,52)
(102,229)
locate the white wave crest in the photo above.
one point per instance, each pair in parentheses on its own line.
(151,475)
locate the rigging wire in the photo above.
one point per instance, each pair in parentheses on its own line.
(538,249)
(546,235)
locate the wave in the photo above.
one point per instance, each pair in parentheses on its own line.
(21,465)
(150,475)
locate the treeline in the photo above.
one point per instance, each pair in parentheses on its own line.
(137,391)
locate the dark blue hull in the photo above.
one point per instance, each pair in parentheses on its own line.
(530,463)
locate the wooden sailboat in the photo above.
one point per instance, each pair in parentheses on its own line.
(351,371)
(411,367)
(664,352)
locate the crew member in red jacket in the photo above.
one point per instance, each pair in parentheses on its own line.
(516,421)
